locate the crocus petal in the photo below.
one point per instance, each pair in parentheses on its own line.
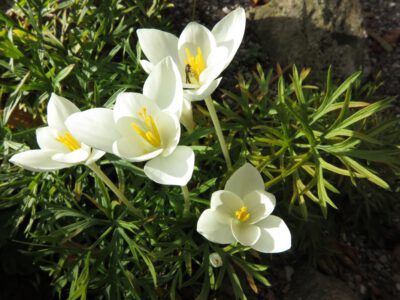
(94,155)
(58,110)
(169,130)
(229,31)
(74,157)
(245,234)
(226,202)
(94,127)
(209,225)
(134,149)
(260,205)
(195,36)
(204,91)
(164,86)
(131,145)
(37,161)
(46,139)
(147,66)
(157,44)
(175,169)
(215,64)
(129,104)
(245,180)
(187,115)
(275,236)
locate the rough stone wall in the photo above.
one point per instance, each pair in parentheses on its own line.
(313,33)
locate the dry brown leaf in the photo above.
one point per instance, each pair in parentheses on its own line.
(250,280)
(21,119)
(279,70)
(255,3)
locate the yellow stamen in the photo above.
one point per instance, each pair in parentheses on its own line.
(69,141)
(152,136)
(242,214)
(196,63)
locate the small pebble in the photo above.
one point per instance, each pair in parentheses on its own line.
(383,259)
(363,289)
(226,10)
(378,266)
(289,271)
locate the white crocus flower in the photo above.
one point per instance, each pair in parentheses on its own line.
(143,127)
(58,147)
(242,213)
(200,54)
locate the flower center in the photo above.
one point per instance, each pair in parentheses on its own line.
(68,141)
(151,135)
(242,214)
(194,65)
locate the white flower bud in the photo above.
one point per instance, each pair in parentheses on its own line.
(215,260)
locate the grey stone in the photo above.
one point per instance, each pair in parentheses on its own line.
(313,33)
(383,259)
(309,284)
(363,289)
(289,271)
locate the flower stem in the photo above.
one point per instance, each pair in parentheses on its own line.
(186,197)
(218,130)
(95,168)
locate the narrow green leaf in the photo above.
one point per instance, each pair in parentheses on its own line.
(322,194)
(297,86)
(262,279)
(14,99)
(346,145)
(302,119)
(134,248)
(337,170)
(330,99)
(352,133)
(8,49)
(80,284)
(328,185)
(389,156)
(365,172)
(343,110)
(352,104)
(235,281)
(63,73)
(365,113)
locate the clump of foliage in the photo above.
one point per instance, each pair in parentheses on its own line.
(307,140)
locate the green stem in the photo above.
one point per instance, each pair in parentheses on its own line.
(95,168)
(186,197)
(218,130)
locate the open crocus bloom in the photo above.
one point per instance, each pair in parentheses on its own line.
(143,127)
(200,54)
(58,147)
(242,212)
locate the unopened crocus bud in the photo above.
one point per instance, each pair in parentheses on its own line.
(215,260)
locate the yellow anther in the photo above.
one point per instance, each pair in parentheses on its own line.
(68,141)
(195,63)
(151,135)
(242,214)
